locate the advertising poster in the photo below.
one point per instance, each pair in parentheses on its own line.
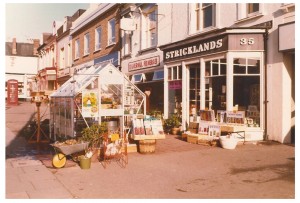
(90,103)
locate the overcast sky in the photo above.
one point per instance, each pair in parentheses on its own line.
(29,20)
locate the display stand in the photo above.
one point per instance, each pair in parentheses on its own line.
(146,132)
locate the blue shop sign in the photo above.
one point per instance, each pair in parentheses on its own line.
(114,58)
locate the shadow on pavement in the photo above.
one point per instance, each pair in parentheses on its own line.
(20,147)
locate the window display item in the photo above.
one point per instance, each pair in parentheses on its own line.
(157,127)
(138,126)
(203,127)
(207,115)
(148,128)
(237,117)
(214,131)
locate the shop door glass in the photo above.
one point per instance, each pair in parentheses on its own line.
(194,89)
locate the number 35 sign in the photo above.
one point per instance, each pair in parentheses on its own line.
(245,41)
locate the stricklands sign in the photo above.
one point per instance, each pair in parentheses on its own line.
(196,48)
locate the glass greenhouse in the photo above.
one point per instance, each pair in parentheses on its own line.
(93,95)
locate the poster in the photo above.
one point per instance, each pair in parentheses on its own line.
(90,103)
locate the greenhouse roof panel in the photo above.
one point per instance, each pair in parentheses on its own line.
(78,81)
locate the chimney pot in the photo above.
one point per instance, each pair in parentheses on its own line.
(14,46)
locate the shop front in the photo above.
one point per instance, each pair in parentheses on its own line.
(147,74)
(217,80)
(47,80)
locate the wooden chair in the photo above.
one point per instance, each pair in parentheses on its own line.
(115,149)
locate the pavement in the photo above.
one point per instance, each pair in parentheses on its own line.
(177,170)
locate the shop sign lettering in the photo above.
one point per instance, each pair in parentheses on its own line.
(201,47)
(175,85)
(145,63)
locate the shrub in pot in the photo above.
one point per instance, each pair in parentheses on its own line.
(172,124)
(94,135)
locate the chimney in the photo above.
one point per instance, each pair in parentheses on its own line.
(14,46)
(36,44)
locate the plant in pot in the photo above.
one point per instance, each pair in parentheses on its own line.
(94,135)
(172,125)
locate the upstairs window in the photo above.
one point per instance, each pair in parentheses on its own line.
(208,14)
(87,44)
(98,32)
(77,47)
(127,42)
(111,32)
(62,58)
(69,55)
(252,8)
(152,28)
(149,26)
(203,16)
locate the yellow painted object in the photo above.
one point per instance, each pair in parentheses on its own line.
(59,160)
(114,137)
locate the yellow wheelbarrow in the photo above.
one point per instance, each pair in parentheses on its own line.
(63,150)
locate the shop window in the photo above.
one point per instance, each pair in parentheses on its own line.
(215,85)
(175,90)
(244,66)
(77,48)
(194,88)
(215,67)
(111,32)
(86,44)
(175,73)
(98,33)
(246,92)
(158,75)
(138,78)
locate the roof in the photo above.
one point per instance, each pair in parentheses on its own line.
(80,80)
(23,49)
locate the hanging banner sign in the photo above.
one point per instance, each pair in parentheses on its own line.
(90,103)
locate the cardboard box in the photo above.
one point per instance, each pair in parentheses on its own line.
(193,127)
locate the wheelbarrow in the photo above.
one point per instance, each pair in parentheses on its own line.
(63,150)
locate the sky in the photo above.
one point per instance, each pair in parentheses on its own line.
(27,21)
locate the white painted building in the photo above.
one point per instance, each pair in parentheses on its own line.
(215,56)
(21,64)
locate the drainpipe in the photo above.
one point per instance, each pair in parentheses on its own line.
(266,36)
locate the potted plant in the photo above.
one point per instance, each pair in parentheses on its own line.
(172,124)
(94,135)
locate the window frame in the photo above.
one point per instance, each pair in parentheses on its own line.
(77,49)
(253,12)
(86,50)
(98,33)
(111,32)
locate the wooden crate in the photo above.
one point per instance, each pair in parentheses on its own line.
(193,127)
(192,139)
(184,136)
